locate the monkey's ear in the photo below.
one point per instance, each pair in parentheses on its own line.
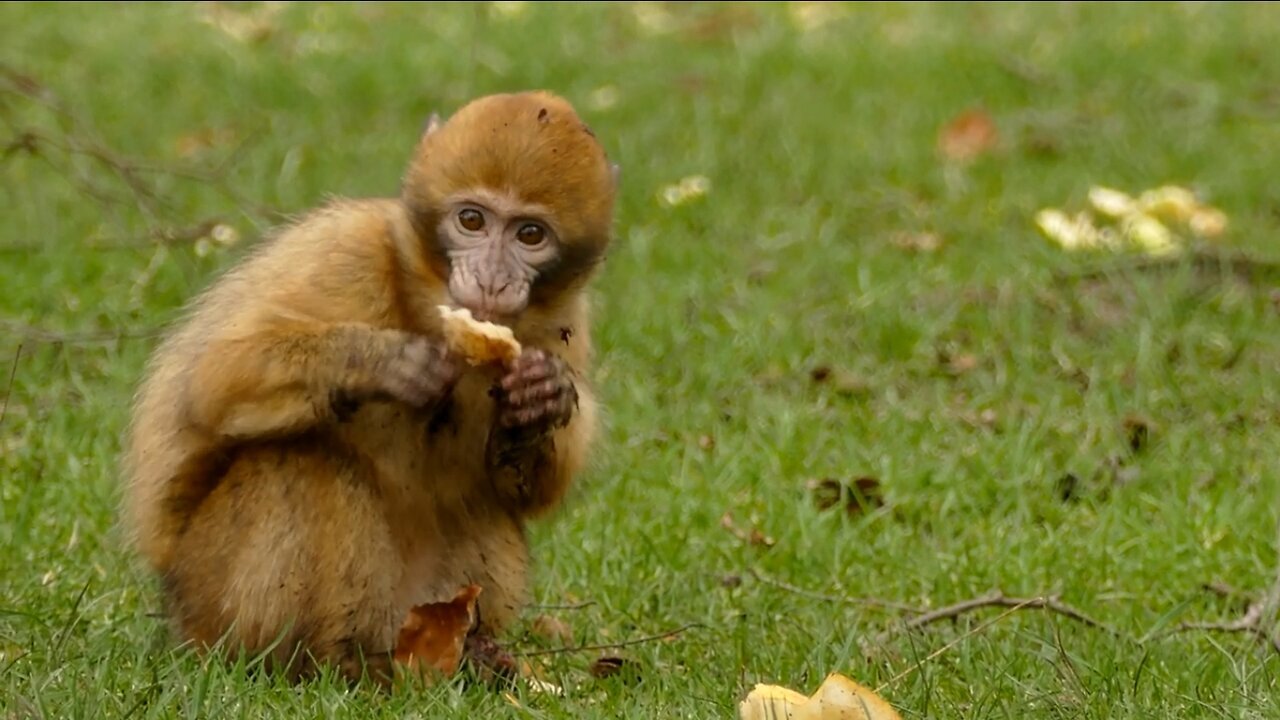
(615,172)
(433,124)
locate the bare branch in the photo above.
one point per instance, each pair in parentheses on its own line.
(13,372)
(997,598)
(568,606)
(869,602)
(611,646)
(31,333)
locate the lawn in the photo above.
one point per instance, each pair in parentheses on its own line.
(841,301)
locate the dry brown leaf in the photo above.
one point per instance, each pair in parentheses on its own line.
(1137,431)
(967,136)
(608,666)
(201,141)
(752,537)
(552,628)
(433,635)
(962,363)
(856,498)
(917,242)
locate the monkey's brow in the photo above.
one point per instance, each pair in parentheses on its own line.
(504,202)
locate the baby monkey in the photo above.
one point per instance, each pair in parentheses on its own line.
(307,458)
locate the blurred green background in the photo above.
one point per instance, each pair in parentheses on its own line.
(851,284)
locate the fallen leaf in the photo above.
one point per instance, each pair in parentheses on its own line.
(842,381)
(607,666)
(967,136)
(706,442)
(753,537)
(552,628)
(1067,486)
(201,141)
(685,191)
(856,498)
(838,698)
(917,242)
(962,363)
(757,537)
(827,492)
(1137,431)
(433,635)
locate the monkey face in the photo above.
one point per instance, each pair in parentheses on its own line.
(497,246)
(513,201)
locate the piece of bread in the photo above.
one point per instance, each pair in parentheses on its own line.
(478,342)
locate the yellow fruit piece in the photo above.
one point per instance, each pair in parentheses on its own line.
(1169,203)
(1208,222)
(772,702)
(1076,233)
(1150,234)
(1112,203)
(839,698)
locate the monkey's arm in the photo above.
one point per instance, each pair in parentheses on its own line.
(286,378)
(545,425)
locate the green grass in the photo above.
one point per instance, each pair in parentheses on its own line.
(820,146)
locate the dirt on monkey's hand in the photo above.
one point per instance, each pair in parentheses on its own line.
(537,392)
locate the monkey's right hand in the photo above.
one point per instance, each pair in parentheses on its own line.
(415,370)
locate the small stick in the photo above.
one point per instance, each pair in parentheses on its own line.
(569,606)
(4,409)
(38,334)
(970,633)
(610,646)
(997,598)
(870,602)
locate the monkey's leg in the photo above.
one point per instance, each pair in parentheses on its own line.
(290,549)
(491,552)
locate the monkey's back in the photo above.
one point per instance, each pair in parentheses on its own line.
(329,266)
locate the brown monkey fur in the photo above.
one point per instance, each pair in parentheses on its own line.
(276,480)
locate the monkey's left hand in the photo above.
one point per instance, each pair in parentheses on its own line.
(537,392)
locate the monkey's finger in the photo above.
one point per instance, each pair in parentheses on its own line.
(530,373)
(537,391)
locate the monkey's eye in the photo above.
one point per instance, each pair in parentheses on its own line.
(531,234)
(471,220)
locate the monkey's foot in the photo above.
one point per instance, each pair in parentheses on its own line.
(489,660)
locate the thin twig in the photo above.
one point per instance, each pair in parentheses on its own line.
(13,372)
(1245,266)
(1259,618)
(997,598)
(611,646)
(570,606)
(964,636)
(32,333)
(869,602)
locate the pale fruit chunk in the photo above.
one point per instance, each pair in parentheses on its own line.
(772,702)
(839,698)
(478,342)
